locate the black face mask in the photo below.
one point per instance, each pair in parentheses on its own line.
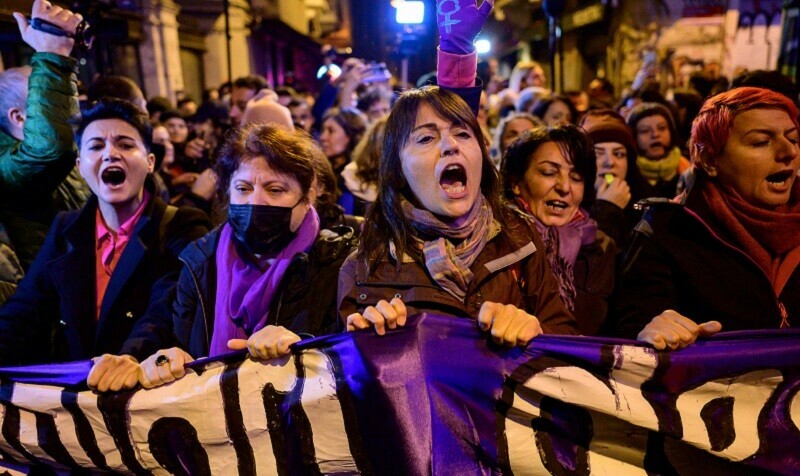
(262,229)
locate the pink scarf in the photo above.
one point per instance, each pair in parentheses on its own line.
(245,289)
(562,244)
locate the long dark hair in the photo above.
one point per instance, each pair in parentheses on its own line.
(385,220)
(352,121)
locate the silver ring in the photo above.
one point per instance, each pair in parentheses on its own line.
(162,360)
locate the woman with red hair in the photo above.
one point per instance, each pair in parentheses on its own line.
(728,257)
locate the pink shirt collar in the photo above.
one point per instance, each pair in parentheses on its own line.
(125,229)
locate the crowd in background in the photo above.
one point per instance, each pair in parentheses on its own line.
(258,215)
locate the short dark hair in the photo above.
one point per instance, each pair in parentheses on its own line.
(255,82)
(605,85)
(158,104)
(372,96)
(297,102)
(185,100)
(772,80)
(286,91)
(286,152)
(645,94)
(171,114)
(227,85)
(574,143)
(112,108)
(647,109)
(119,87)
(541,106)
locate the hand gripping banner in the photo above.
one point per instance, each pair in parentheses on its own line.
(434,397)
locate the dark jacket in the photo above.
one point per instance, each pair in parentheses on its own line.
(680,258)
(305,301)
(10,270)
(51,317)
(594,273)
(507,271)
(614,221)
(32,171)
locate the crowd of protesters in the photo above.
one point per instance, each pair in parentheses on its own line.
(263,216)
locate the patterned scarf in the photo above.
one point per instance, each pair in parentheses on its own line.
(449,264)
(562,245)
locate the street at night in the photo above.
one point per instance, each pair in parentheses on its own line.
(399,237)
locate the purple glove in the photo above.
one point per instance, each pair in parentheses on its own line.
(459,25)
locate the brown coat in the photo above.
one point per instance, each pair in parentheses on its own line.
(514,273)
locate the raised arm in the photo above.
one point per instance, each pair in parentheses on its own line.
(44,151)
(459,24)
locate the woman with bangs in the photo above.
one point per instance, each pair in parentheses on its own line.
(439,237)
(728,257)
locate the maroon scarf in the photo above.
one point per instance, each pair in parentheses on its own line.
(766,236)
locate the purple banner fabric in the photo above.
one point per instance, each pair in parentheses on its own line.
(434,397)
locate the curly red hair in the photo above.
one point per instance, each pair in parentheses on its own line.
(712,126)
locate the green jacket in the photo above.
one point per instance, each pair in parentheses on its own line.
(33,171)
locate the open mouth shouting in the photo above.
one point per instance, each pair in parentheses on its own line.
(781,180)
(113,176)
(556,206)
(453,181)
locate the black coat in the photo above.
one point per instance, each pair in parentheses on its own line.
(594,273)
(305,301)
(680,258)
(51,317)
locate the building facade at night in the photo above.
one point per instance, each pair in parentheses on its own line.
(175,47)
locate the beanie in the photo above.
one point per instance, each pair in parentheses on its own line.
(610,128)
(648,109)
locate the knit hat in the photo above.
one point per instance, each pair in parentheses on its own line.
(608,126)
(648,109)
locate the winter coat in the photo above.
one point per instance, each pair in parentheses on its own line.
(33,171)
(51,317)
(507,271)
(679,258)
(10,270)
(594,276)
(305,301)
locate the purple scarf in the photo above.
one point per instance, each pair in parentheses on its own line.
(562,245)
(245,290)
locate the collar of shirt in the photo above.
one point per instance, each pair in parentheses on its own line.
(109,242)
